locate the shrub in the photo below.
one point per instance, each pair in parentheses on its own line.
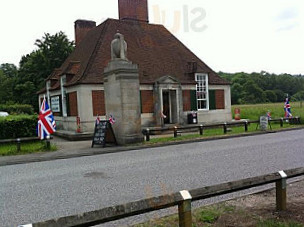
(18,126)
(17,109)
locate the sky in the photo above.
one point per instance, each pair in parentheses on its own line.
(228,35)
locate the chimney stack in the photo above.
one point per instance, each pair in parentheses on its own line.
(133,10)
(82,27)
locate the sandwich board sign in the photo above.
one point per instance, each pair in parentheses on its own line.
(103,134)
(263,123)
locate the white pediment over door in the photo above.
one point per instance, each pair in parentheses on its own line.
(168,80)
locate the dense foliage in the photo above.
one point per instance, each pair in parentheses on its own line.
(17,109)
(17,126)
(264,87)
(21,85)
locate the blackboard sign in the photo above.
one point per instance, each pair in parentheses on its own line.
(263,123)
(103,134)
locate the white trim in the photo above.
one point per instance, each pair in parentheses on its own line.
(186,195)
(283,174)
(63,95)
(48,85)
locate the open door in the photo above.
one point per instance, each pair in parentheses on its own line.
(166,106)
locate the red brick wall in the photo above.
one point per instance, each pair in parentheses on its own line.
(133,9)
(220,99)
(147,101)
(186,100)
(82,27)
(98,102)
(73,104)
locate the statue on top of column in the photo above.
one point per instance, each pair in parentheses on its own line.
(119,47)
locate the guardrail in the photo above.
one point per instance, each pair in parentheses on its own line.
(178,130)
(182,199)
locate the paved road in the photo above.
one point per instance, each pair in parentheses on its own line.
(40,191)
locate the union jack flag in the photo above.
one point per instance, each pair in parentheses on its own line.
(287,109)
(46,121)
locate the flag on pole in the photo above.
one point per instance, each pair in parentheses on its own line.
(287,109)
(269,115)
(46,121)
(112,120)
(97,120)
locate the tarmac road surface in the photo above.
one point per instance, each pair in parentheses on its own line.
(40,191)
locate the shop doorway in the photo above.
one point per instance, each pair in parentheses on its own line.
(170,106)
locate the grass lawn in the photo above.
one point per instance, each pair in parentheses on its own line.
(253,111)
(26,148)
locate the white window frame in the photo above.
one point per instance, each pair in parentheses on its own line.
(48,86)
(202,94)
(63,96)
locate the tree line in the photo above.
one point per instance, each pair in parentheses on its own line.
(21,84)
(264,87)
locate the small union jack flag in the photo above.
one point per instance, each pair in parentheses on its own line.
(97,120)
(269,115)
(112,120)
(46,121)
(287,109)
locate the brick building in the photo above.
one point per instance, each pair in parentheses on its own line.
(173,80)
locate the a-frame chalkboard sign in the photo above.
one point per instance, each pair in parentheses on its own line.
(103,134)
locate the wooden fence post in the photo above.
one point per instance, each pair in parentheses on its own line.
(281,122)
(201,130)
(18,145)
(281,195)
(148,134)
(184,210)
(175,132)
(225,128)
(48,142)
(246,126)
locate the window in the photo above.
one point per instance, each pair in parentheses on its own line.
(202,91)
(216,99)
(146,101)
(72,104)
(98,102)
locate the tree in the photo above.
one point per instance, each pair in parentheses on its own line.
(252,93)
(54,50)
(7,82)
(236,93)
(299,96)
(9,70)
(38,65)
(271,96)
(263,87)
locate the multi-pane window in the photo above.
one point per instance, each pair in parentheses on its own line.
(202,91)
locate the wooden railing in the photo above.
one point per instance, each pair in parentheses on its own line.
(200,128)
(182,199)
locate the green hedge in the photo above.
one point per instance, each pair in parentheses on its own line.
(18,126)
(17,109)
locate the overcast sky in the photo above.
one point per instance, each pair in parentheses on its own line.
(228,35)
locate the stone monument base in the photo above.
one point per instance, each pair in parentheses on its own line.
(122,99)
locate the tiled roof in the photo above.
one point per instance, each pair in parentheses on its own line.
(157,52)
